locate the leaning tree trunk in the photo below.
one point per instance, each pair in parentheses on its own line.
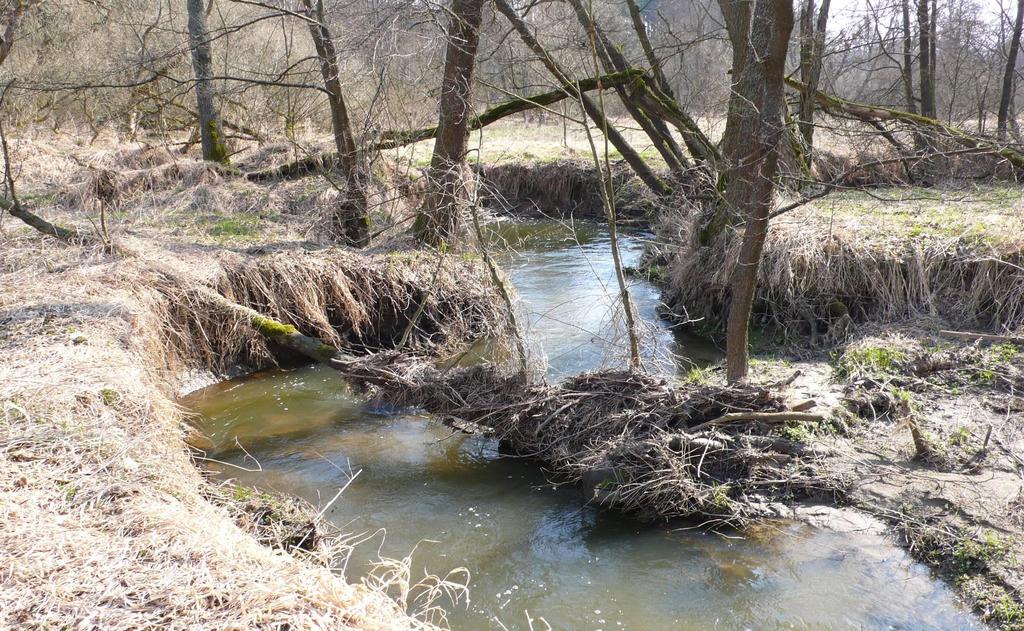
(450,180)
(593,111)
(756,115)
(210,133)
(351,218)
(613,61)
(1006,96)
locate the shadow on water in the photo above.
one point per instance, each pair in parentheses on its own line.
(532,546)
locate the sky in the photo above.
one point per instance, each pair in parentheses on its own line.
(844,12)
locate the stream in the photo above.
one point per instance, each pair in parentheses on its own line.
(534,550)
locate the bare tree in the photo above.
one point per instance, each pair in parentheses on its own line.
(908,59)
(351,218)
(812,48)
(759,33)
(593,111)
(1009,74)
(210,131)
(439,220)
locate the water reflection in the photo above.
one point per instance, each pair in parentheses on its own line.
(565,277)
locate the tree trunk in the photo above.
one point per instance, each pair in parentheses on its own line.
(908,60)
(921,125)
(1006,96)
(756,111)
(926,67)
(439,220)
(13,204)
(13,21)
(392,139)
(660,100)
(613,61)
(812,49)
(737,24)
(210,132)
(351,218)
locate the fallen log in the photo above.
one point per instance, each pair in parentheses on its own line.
(394,139)
(874,113)
(284,335)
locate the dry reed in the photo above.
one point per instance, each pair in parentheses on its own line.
(820,273)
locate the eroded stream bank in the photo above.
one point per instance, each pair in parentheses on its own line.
(535,548)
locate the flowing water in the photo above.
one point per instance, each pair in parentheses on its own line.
(534,550)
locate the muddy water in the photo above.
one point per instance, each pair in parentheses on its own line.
(533,550)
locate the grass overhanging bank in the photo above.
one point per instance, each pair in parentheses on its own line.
(106,518)
(879,256)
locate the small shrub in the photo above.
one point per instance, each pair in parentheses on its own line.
(959,437)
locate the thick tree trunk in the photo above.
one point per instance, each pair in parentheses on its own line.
(210,132)
(756,111)
(812,49)
(351,218)
(737,25)
(450,180)
(1006,96)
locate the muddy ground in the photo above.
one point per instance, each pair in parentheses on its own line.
(953,495)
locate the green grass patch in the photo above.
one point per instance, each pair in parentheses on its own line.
(867,361)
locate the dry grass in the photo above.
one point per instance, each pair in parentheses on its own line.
(896,254)
(106,522)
